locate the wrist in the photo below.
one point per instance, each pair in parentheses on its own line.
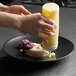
(22,22)
(18,22)
(14,20)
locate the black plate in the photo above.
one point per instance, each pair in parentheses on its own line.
(65,47)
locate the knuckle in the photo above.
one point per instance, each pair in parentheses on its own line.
(52,26)
(13,5)
(41,23)
(53,22)
(38,15)
(20,6)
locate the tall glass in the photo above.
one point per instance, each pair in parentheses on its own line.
(51,11)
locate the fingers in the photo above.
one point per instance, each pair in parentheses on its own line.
(24,11)
(40,35)
(49,21)
(42,31)
(47,26)
(47,32)
(18,9)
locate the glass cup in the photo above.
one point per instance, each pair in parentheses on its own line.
(51,11)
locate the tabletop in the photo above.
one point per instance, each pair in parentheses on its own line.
(66,67)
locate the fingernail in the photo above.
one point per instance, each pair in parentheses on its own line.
(52,34)
(55,26)
(53,30)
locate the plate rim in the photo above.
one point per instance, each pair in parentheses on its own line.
(58,59)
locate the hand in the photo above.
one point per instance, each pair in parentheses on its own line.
(35,24)
(18,9)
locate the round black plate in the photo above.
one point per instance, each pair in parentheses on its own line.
(65,47)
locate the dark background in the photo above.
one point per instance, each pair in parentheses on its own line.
(62,3)
(66,67)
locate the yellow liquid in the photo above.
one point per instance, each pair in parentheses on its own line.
(51,11)
(49,54)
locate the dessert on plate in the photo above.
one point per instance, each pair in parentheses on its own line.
(33,49)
